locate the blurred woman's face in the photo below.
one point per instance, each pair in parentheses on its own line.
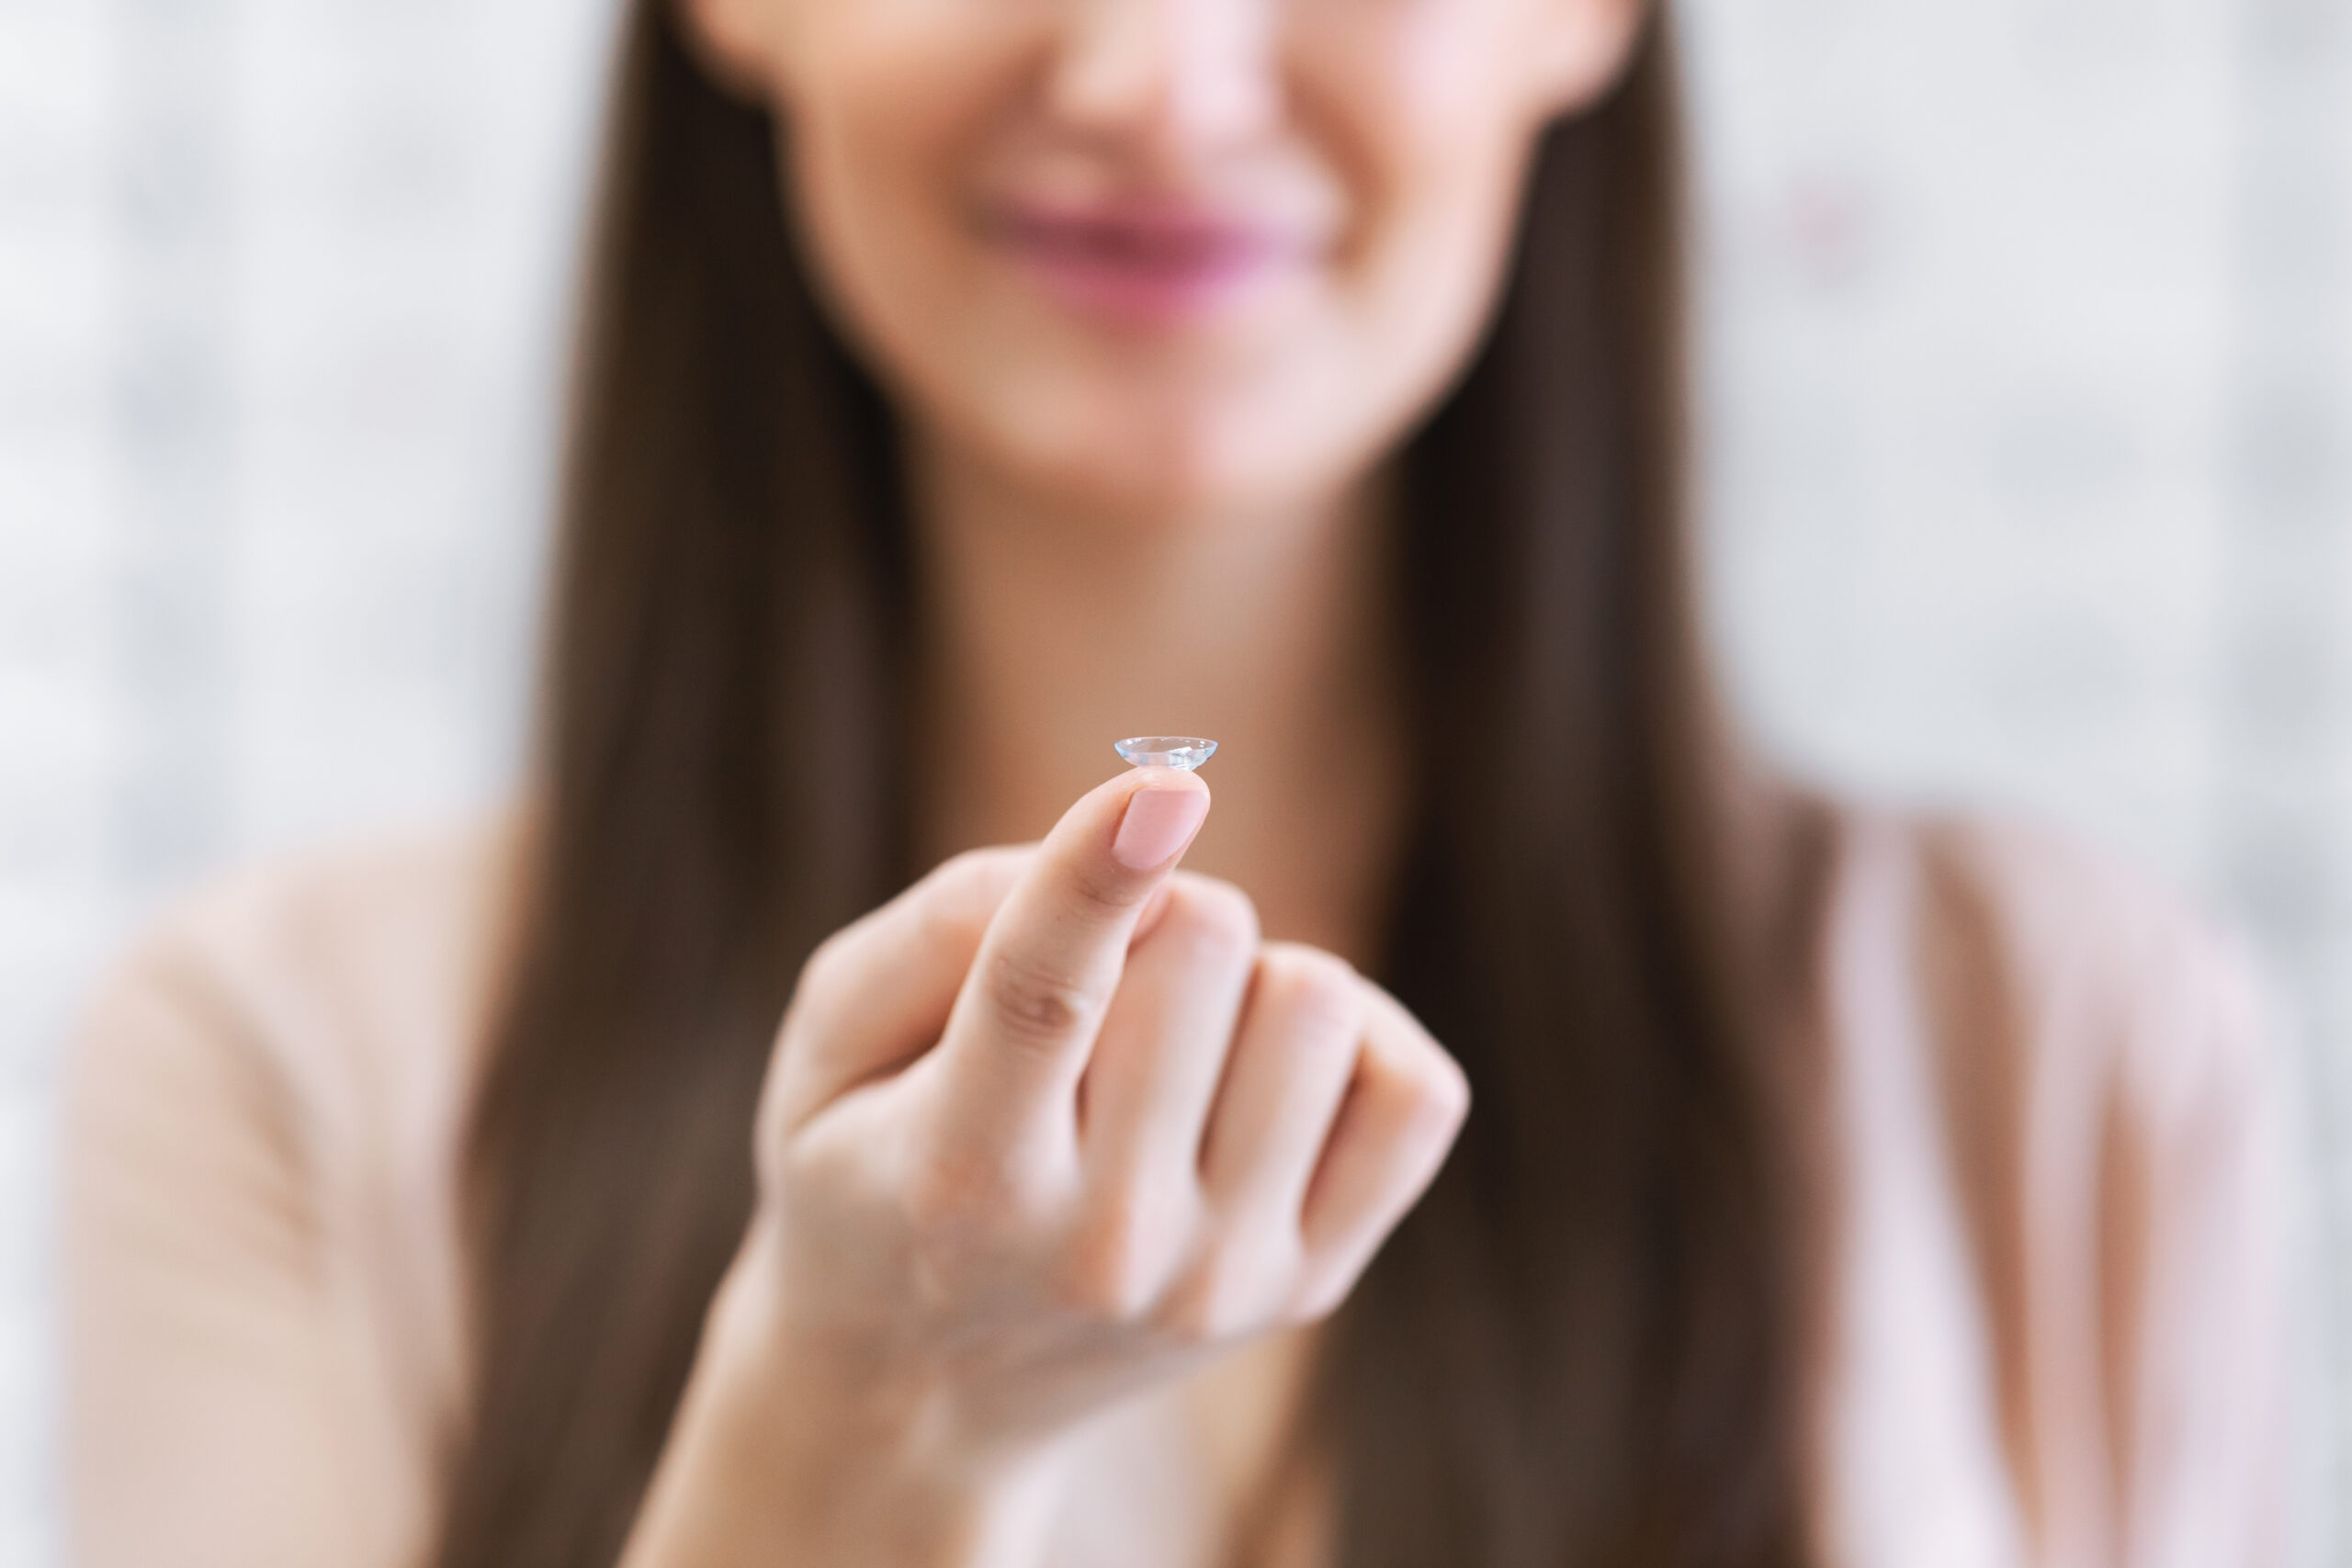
(1163,256)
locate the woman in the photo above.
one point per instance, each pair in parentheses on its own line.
(968,385)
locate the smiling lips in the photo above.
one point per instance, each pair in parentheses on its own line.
(1145,264)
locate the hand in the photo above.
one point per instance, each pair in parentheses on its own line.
(1055,1124)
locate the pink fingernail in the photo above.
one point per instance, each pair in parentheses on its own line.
(1159,823)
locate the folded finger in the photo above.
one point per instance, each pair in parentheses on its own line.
(1155,1071)
(1293,1059)
(1403,1110)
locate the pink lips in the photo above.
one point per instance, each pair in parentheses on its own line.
(1145,263)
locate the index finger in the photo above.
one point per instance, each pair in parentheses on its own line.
(1023,1025)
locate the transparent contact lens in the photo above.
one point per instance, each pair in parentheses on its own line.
(1185,751)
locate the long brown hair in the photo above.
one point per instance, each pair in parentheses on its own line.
(1587,1344)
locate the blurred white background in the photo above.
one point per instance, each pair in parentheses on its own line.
(2028,387)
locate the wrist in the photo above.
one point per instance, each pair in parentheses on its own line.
(814,1448)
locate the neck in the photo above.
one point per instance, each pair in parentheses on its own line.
(1049,631)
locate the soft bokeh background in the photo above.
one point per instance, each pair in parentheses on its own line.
(2028,387)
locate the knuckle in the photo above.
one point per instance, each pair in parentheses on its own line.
(956,1201)
(981,875)
(1453,1093)
(1098,1281)
(1234,1291)
(1103,896)
(1321,1295)
(1215,920)
(1036,1005)
(1443,1088)
(1194,1315)
(982,867)
(1318,990)
(1410,1057)
(939,1201)
(951,921)
(1117,1264)
(828,963)
(963,894)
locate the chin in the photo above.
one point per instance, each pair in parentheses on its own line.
(1132,452)
(1169,476)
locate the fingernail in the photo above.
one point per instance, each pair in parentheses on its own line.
(1159,823)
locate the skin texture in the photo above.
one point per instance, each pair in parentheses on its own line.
(1055,1134)
(1050,1127)
(1385,137)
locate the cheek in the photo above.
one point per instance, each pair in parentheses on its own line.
(1445,119)
(893,95)
(1422,111)
(906,107)
(900,107)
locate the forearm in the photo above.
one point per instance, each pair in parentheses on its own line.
(783,1457)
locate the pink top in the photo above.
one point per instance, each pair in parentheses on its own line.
(2059,1257)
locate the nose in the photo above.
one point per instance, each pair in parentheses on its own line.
(1177,77)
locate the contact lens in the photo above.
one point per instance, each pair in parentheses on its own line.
(1182,751)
